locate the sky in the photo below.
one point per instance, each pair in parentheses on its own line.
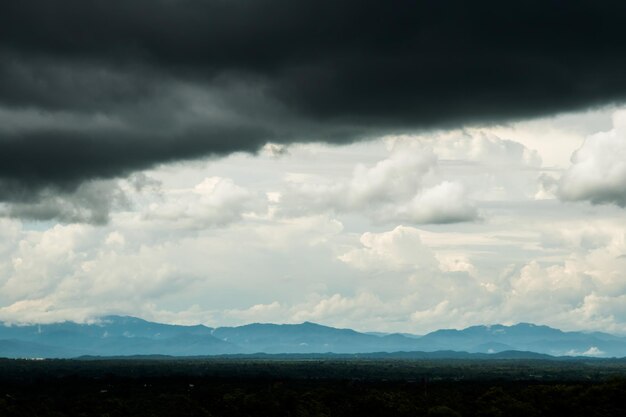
(384,166)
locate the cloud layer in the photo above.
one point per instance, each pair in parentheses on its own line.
(99,89)
(323,233)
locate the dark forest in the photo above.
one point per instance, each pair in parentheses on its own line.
(256,387)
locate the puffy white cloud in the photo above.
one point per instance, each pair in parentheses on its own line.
(561,285)
(446,202)
(583,290)
(392,179)
(215,201)
(404,187)
(74,271)
(580,289)
(455,262)
(476,146)
(598,170)
(77,272)
(399,249)
(490,167)
(427,289)
(41,260)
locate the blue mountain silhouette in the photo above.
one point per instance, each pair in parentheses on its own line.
(123,335)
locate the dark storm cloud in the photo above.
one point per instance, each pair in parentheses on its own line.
(91,202)
(180,79)
(67,157)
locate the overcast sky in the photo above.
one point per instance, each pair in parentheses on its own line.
(384,166)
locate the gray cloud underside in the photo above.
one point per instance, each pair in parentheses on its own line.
(109,87)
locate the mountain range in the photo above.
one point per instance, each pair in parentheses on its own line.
(127,336)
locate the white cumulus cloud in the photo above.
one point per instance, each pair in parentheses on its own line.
(598,170)
(215,201)
(405,187)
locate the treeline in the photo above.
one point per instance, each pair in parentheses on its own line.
(171,388)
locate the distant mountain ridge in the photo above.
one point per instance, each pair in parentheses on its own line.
(123,335)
